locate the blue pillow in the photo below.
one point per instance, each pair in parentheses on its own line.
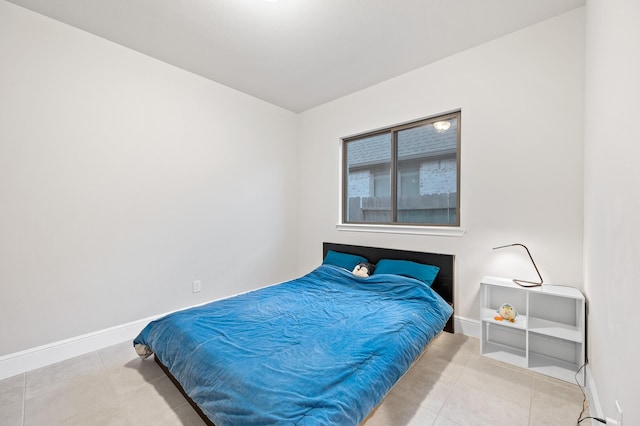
(344,260)
(419,271)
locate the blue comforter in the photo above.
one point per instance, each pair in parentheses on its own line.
(321,349)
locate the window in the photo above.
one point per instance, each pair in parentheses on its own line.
(404,175)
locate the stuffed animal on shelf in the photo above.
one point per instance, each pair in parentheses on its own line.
(507,312)
(363,269)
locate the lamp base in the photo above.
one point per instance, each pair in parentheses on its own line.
(523,283)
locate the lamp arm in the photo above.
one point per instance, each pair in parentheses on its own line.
(532,261)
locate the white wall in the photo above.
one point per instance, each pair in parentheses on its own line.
(522,102)
(122,179)
(612,202)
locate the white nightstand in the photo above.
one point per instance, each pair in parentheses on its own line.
(548,334)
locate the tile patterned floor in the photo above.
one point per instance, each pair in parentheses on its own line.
(451,384)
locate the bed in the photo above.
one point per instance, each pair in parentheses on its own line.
(324,348)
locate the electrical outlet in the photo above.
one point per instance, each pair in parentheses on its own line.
(197,286)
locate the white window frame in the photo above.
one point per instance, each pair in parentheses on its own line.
(395,228)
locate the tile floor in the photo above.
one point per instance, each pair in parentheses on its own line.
(451,384)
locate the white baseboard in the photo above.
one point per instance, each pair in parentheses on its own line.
(595,409)
(467,326)
(41,356)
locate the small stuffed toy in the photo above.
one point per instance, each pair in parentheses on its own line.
(507,312)
(363,269)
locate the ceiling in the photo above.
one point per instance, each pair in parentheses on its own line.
(299,54)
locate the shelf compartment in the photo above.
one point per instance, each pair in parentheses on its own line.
(553,356)
(555,329)
(505,353)
(506,344)
(495,296)
(553,367)
(488,315)
(556,308)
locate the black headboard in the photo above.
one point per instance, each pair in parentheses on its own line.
(443,283)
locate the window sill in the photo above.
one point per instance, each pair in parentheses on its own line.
(441,231)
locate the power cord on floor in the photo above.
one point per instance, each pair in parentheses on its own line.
(584,400)
(594,418)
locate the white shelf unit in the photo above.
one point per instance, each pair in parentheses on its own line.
(548,335)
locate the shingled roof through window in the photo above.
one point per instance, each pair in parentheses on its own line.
(415,142)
